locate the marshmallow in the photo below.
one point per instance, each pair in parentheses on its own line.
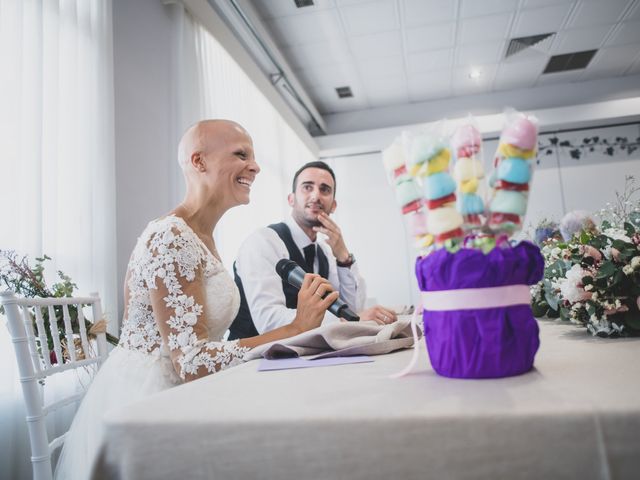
(520,132)
(514,170)
(443,219)
(438,185)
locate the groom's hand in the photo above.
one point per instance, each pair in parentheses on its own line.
(379,314)
(334,237)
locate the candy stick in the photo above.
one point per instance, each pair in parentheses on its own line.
(429,159)
(468,171)
(513,167)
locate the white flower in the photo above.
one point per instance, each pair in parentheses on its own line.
(617,234)
(635,263)
(573,222)
(588,288)
(535,289)
(627,269)
(571,289)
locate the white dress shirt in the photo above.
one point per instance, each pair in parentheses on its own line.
(256,264)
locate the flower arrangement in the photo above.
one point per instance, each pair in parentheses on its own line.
(545,230)
(593,278)
(20,277)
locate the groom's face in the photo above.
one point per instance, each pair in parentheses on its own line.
(314,193)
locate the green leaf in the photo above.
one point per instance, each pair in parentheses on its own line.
(633,320)
(606,269)
(620,245)
(618,277)
(605,225)
(587,262)
(628,227)
(539,309)
(552,300)
(556,269)
(553,313)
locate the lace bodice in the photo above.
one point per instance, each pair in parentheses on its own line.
(199,300)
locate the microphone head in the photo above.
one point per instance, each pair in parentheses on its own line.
(284,266)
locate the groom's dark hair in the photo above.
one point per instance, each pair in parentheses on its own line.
(316,164)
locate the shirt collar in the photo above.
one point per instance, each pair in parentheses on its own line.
(299,237)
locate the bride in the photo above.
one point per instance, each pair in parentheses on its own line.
(179,300)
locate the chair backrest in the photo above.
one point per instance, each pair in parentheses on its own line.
(52,347)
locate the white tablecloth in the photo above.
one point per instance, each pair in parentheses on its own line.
(576,415)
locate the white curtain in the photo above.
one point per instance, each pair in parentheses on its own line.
(221,89)
(57,166)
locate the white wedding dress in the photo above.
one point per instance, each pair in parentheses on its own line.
(168,256)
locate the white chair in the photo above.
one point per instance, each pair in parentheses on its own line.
(34,362)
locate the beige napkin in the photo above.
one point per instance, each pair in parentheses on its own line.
(340,340)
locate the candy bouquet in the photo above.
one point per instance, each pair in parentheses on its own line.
(474,282)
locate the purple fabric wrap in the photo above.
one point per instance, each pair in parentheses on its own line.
(481,343)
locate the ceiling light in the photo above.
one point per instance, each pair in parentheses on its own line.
(475,74)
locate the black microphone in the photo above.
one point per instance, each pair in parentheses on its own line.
(294,274)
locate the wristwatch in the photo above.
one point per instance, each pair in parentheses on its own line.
(350,261)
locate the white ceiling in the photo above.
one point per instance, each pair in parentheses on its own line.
(395,52)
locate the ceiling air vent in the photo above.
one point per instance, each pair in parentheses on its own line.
(303,3)
(344,92)
(569,61)
(519,44)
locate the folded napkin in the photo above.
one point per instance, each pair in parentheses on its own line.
(340,340)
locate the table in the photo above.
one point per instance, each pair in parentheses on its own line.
(576,415)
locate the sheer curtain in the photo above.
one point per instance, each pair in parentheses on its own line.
(221,89)
(57,165)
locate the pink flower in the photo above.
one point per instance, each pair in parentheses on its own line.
(636,238)
(622,308)
(589,251)
(615,254)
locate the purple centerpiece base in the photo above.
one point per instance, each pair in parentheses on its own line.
(488,342)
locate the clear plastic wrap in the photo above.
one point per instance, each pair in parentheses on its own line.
(512,173)
(468,172)
(428,159)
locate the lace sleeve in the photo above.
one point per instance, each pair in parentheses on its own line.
(175,277)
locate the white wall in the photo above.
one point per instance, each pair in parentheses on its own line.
(143,130)
(373,228)
(373,225)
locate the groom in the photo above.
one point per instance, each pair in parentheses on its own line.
(268,302)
